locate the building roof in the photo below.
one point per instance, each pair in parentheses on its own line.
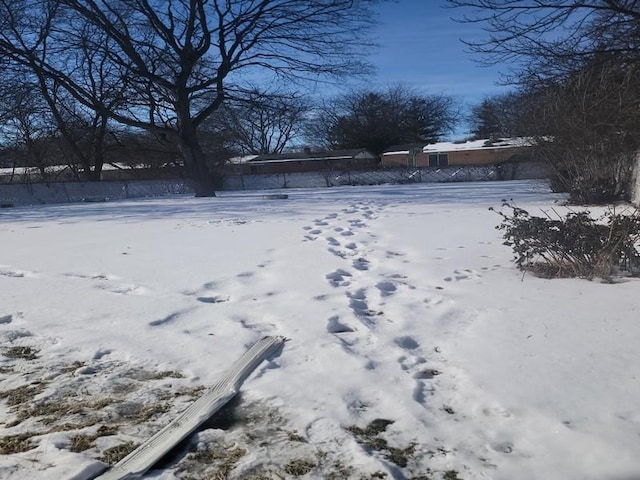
(241,160)
(333,155)
(481,144)
(405,148)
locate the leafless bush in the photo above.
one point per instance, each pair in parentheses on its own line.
(575,245)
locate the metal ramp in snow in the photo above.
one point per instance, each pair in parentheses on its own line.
(147,454)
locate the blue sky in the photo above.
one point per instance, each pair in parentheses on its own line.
(419,45)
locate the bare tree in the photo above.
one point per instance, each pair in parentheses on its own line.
(179,60)
(552,37)
(578,59)
(262,122)
(26,125)
(499,116)
(376,120)
(586,130)
(28,42)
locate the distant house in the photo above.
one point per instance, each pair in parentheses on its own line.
(475,152)
(307,161)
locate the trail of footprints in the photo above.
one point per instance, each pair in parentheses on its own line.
(346,235)
(367,292)
(210,293)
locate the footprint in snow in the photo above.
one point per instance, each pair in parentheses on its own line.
(335,326)
(213,299)
(462,275)
(435,300)
(168,319)
(496,412)
(6,271)
(93,276)
(386,288)
(124,289)
(337,253)
(504,447)
(333,241)
(361,264)
(360,307)
(426,374)
(406,343)
(410,362)
(338,277)
(102,352)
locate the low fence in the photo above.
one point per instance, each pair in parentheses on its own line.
(467,173)
(66,192)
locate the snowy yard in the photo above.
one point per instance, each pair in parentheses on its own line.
(416,349)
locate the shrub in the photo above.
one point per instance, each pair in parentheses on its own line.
(575,245)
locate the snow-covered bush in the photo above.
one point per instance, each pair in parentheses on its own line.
(575,245)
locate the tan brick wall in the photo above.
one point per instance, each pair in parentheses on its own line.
(482,157)
(464,157)
(395,159)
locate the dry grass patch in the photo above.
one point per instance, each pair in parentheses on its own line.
(20,395)
(82,442)
(72,367)
(16,443)
(223,458)
(151,411)
(370,437)
(192,392)
(57,408)
(166,374)
(24,353)
(140,413)
(299,467)
(114,454)
(451,475)
(68,427)
(293,436)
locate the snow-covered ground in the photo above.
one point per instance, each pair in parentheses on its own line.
(416,348)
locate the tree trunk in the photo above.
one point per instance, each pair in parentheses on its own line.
(204,184)
(99,133)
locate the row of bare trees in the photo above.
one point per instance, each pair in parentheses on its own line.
(168,67)
(575,68)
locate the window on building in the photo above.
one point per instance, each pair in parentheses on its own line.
(411,159)
(438,159)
